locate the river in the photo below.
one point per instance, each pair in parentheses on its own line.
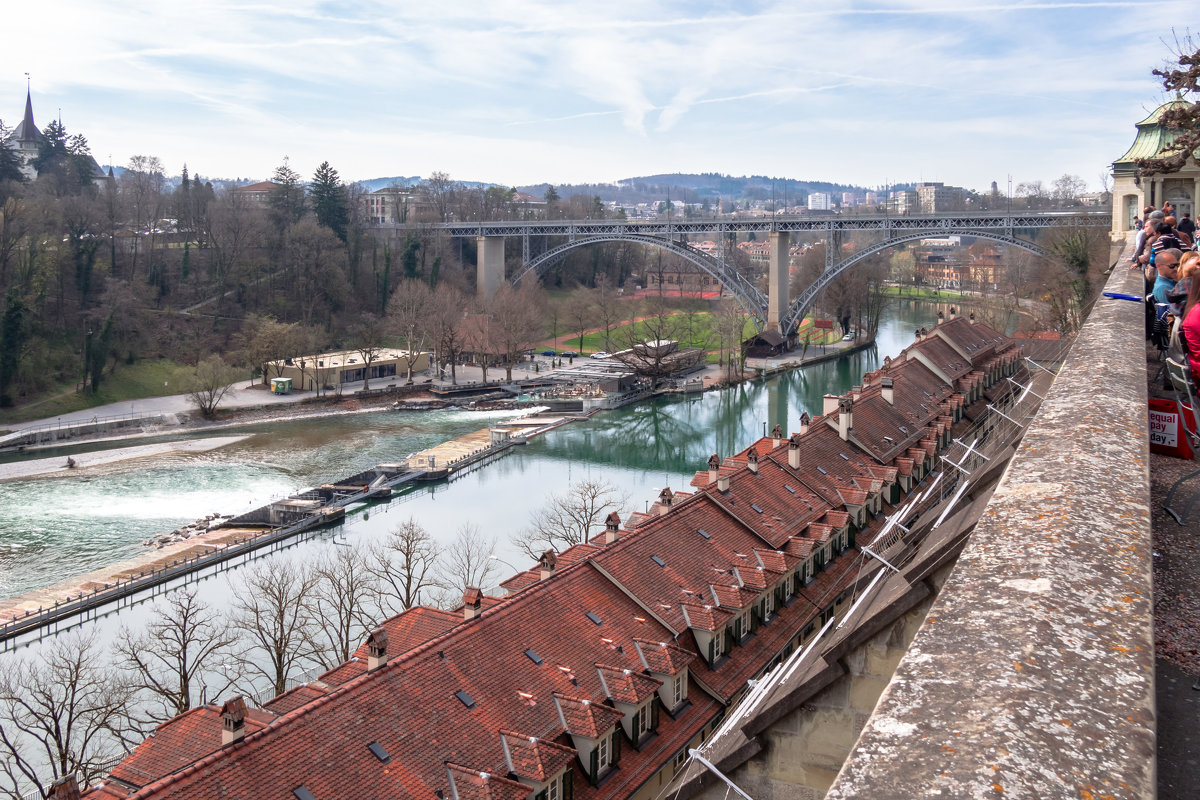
(52,528)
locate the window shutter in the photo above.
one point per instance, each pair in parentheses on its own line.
(594,769)
(568,780)
(653,715)
(616,748)
(712,656)
(540,795)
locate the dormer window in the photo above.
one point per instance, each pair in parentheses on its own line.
(644,721)
(768,606)
(560,787)
(678,689)
(716,647)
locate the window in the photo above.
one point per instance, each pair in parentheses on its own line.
(641,723)
(678,689)
(603,755)
(768,606)
(716,646)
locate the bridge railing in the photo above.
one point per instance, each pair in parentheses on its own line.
(1033,675)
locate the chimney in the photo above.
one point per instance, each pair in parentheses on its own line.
(714,467)
(886,386)
(953,313)
(845,417)
(723,483)
(794,448)
(233,721)
(612,527)
(805,421)
(377,647)
(65,788)
(972,317)
(941,318)
(548,562)
(664,500)
(917,334)
(856,393)
(777,435)
(829,404)
(472,602)
(752,461)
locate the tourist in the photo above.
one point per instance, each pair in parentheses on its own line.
(1167,240)
(1139,249)
(1190,329)
(1166,269)
(1187,226)
(1168,209)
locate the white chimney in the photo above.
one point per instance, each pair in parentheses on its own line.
(377,644)
(856,393)
(714,467)
(472,602)
(723,483)
(612,527)
(548,562)
(805,421)
(953,313)
(752,461)
(886,386)
(794,451)
(941,318)
(845,417)
(777,435)
(664,500)
(233,721)
(829,404)
(972,317)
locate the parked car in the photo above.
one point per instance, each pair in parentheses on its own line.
(568,354)
(849,337)
(600,354)
(548,352)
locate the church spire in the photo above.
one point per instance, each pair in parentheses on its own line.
(28,129)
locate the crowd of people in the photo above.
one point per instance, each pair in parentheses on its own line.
(1165,250)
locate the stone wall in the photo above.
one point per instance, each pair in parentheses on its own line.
(1034,675)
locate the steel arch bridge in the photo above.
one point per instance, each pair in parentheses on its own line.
(671,235)
(752,301)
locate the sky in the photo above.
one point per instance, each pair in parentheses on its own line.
(518,92)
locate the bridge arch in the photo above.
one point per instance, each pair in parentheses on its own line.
(752,301)
(804,301)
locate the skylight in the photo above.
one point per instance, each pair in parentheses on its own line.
(658,561)
(888,439)
(303,794)
(843,455)
(756,508)
(464,698)
(592,616)
(703,533)
(789,488)
(532,656)
(903,429)
(822,470)
(377,749)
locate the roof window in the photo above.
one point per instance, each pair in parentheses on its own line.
(756,508)
(592,616)
(658,561)
(532,656)
(789,488)
(843,455)
(703,533)
(822,470)
(464,698)
(377,750)
(302,793)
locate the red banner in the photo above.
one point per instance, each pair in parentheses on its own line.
(1168,436)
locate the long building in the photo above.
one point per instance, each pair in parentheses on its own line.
(604,663)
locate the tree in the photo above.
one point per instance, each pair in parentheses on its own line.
(183,642)
(442,325)
(265,342)
(286,198)
(10,164)
(329,200)
(516,321)
(341,606)
(271,609)
(368,343)
(14,333)
(209,382)
(650,342)
(61,712)
(579,311)
(405,565)
(232,227)
(570,518)
(730,323)
(1182,119)
(468,562)
(608,308)
(1066,188)
(441,190)
(406,313)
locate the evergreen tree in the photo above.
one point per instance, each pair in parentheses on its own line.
(329,200)
(287,196)
(408,256)
(10,164)
(13,334)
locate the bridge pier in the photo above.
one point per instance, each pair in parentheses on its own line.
(777,280)
(489,266)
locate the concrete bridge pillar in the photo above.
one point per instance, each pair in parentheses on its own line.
(777,280)
(489,271)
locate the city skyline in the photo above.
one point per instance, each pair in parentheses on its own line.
(518,93)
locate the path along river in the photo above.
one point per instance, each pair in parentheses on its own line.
(53,528)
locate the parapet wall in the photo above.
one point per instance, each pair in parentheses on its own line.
(1033,675)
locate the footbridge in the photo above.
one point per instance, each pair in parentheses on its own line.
(776,309)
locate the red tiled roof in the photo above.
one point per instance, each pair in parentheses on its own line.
(627,686)
(295,697)
(471,784)
(535,759)
(704,617)
(584,718)
(665,658)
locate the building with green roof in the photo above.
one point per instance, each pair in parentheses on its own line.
(1130,196)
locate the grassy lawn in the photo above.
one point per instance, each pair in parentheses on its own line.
(922,293)
(694,332)
(128,382)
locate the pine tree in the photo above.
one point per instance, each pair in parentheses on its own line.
(329,200)
(287,196)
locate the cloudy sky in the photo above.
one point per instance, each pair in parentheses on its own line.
(524,91)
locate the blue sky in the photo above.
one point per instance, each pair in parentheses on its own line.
(524,91)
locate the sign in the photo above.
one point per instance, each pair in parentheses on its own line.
(1168,436)
(823,323)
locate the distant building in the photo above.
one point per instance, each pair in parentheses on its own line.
(1131,196)
(905,201)
(257,192)
(819,201)
(871,199)
(26,140)
(849,199)
(328,370)
(937,198)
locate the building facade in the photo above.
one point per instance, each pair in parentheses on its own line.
(1130,195)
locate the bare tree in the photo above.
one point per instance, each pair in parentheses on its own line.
(62,711)
(368,343)
(183,641)
(570,518)
(516,322)
(341,605)
(580,309)
(730,322)
(650,343)
(468,561)
(233,226)
(442,325)
(271,610)
(406,313)
(210,381)
(405,565)
(265,342)
(608,307)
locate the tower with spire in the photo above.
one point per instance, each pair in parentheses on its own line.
(26,138)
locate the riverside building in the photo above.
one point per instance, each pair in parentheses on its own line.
(603,664)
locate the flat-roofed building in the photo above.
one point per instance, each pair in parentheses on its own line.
(328,370)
